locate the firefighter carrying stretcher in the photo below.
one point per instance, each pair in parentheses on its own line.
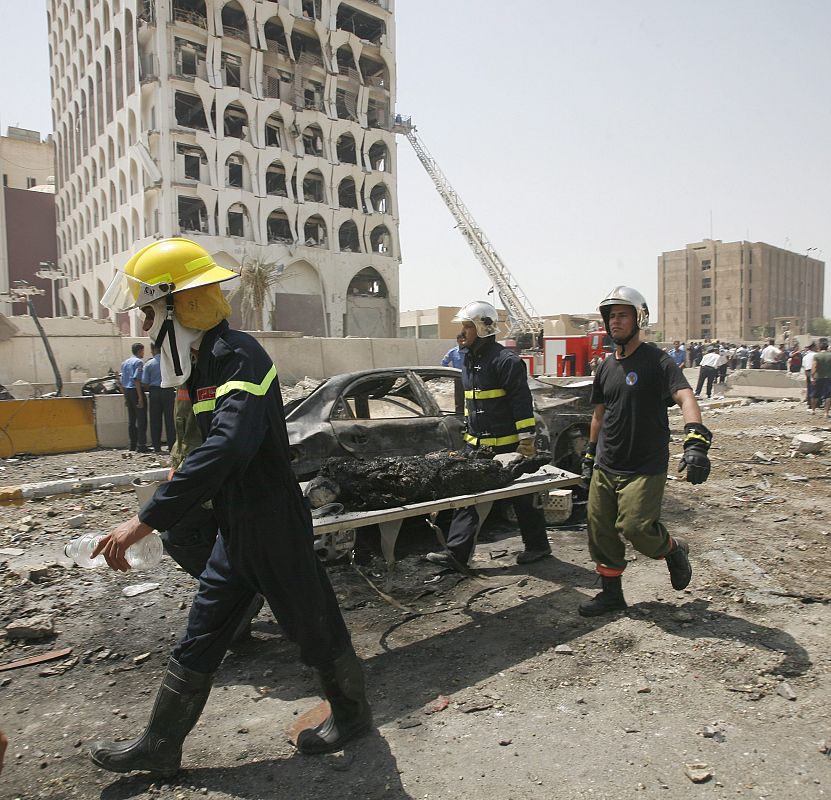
(265,541)
(499,414)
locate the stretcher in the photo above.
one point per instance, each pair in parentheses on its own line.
(335,534)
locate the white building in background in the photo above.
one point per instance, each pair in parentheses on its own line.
(260,129)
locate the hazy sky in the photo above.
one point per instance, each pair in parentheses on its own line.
(585,137)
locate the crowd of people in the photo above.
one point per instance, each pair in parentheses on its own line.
(714,359)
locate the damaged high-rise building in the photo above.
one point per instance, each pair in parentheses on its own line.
(260,129)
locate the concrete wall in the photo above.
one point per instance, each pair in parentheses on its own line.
(59,425)
(93,347)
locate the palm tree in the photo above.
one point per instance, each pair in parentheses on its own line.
(257,276)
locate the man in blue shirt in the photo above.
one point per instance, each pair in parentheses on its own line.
(455,356)
(678,354)
(161,403)
(131,376)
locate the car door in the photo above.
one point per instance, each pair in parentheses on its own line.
(388,414)
(447,393)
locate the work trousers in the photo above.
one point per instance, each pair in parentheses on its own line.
(708,374)
(296,587)
(461,538)
(161,410)
(809,389)
(136,419)
(190,542)
(627,506)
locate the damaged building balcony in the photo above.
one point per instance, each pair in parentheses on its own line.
(235,122)
(190,60)
(275,180)
(191,164)
(349,240)
(193,216)
(234,22)
(279,229)
(191,12)
(366,27)
(314,188)
(314,232)
(275,38)
(239,222)
(346,150)
(190,112)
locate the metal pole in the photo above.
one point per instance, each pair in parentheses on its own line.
(49,354)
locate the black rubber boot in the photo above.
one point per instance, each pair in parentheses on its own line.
(678,564)
(604,602)
(343,686)
(179,703)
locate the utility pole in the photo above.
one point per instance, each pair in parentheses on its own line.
(49,271)
(22,292)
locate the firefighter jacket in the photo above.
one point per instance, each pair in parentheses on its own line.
(243,462)
(498,404)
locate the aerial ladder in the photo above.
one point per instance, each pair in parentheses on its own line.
(522,317)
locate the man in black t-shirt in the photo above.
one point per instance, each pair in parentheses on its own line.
(628,453)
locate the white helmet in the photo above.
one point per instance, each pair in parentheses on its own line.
(482,314)
(625,296)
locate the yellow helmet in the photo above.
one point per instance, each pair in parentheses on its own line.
(160,269)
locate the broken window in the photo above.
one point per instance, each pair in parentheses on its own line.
(236,121)
(379,199)
(275,37)
(347,196)
(377,114)
(346,61)
(234,171)
(346,104)
(193,158)
(193,216)
(190,59)
(364,26)
(313,141)
(375,72)
(275,180)
(238,222)
(313,187)
(190,113)
(346,149)
(314,232)
(231,70)
(272,131)
(279,228)
(380,397)
(306,49)
(348,238)
(313,96)
(379,239)
(379,157)
(234,22)
(368,283)
(311,9)
(191,11)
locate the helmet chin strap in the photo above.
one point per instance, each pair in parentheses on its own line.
(622,342)
(167,329)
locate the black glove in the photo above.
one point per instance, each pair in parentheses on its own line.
(697,441)
(587,464)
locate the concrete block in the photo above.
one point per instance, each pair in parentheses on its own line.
(296,358)
(111,420)
(431,351)
(807,443)
(394,352)
(347,355)
(53,425)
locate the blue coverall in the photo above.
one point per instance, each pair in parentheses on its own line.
(266,539)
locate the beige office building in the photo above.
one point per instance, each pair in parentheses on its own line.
(735,291)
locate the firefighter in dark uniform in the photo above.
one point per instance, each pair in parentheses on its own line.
(265,542)
(499,414)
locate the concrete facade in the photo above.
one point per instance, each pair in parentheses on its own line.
(260,129)
(27,164)
(734,291)
(436,323)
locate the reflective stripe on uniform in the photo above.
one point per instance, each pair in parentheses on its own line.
(484,394)
(492,441)
(525,423)
(258,389)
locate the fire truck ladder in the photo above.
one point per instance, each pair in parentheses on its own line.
(521,314)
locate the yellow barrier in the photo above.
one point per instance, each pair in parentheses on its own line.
(51,425)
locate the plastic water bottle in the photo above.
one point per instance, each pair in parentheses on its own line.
(143,554)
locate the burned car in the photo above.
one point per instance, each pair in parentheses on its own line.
(413,411)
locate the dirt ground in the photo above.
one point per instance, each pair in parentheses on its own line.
(727,682)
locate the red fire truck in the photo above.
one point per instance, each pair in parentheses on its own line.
(567,356)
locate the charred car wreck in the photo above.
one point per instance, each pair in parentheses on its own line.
(415,411)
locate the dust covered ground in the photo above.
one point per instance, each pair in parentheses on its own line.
(491,688)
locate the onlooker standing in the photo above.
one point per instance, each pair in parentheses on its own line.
(455,356)
(795,361)
(821,373)
(131,375)
(161,403)
(754,357)
(724,352)
(708,370)
(741,355)
(807,365)
(771,356)
(678,354)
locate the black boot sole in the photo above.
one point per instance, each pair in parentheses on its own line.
(167,772)
(333,747)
